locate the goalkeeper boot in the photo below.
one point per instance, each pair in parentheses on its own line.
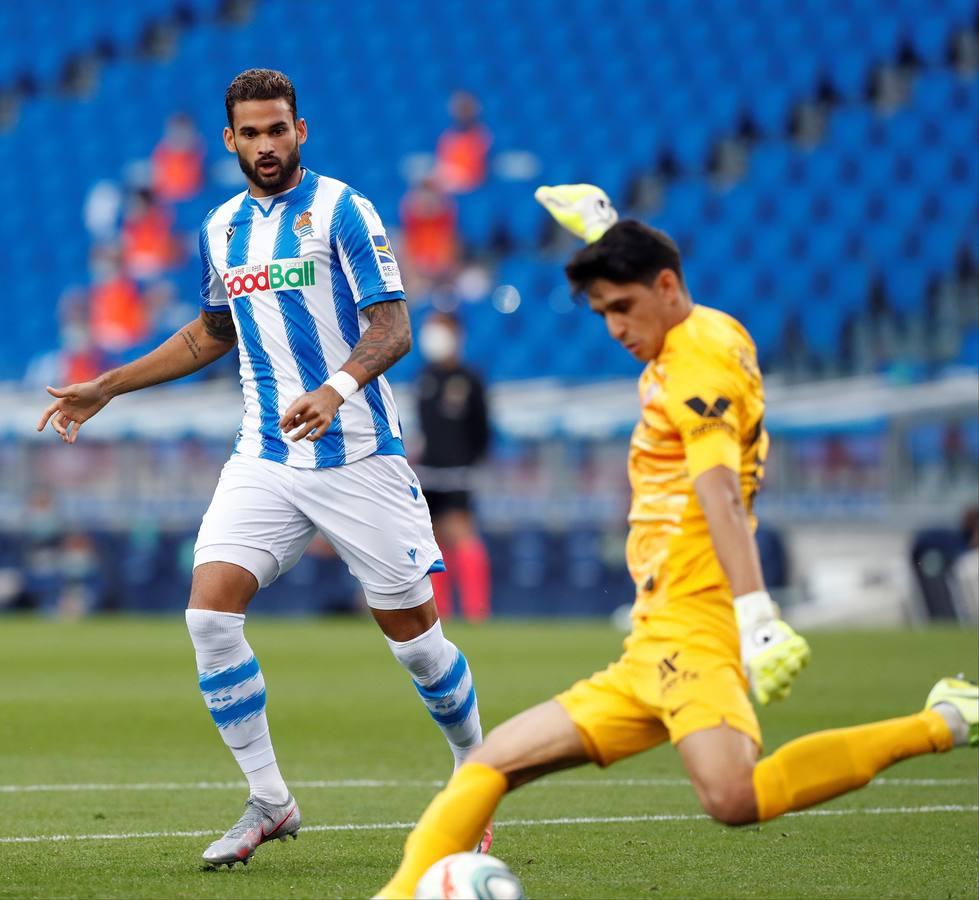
(260,822)
(583,209)
(486,841)
(958,699)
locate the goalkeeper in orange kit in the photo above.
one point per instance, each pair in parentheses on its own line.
(704,628)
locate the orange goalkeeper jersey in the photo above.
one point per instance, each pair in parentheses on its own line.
(702,406)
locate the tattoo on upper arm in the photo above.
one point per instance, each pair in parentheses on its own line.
(219,325)
(386,340)
(191,342)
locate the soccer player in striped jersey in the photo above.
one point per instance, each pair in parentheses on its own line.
(298,271)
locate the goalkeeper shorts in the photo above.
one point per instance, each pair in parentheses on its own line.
(658,690)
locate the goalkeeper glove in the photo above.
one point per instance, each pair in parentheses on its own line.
(771,652)
(583,209)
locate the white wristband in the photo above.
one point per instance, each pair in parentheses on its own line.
(343,383)
(754,608)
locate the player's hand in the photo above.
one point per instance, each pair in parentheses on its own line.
(310,415)
(771,651)
(75,404)
(583,209)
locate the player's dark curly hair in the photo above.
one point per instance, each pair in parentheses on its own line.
(259,84)
(629,251)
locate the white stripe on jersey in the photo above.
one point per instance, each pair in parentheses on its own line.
(299,271)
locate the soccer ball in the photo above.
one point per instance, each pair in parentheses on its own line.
(469,876)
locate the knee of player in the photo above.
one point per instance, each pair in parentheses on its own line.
(731,801)
(495,754)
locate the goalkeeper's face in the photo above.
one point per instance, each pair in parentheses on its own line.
(266,140)
(637,314)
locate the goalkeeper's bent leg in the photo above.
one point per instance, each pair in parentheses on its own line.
(825,764)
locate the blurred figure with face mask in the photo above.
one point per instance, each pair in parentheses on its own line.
(455,428)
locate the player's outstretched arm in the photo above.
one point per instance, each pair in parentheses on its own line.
(386,340)
(772,653)
(196,345)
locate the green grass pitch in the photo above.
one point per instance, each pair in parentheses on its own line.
(103,736)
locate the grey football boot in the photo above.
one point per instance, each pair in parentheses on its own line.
(260,822)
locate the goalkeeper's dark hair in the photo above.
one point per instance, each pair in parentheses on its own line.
(629,251)
(259,84)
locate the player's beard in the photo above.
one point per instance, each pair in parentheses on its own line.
(272,183)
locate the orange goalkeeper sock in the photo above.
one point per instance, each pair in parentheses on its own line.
(454,822)
(826,764)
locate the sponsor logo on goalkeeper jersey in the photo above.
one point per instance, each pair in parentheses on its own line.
(713,410)
(278,275)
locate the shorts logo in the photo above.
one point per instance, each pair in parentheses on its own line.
(278,275)
(670,673)
(303,226)
(714,411)
(667,665)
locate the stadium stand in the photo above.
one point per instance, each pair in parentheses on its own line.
(885,202)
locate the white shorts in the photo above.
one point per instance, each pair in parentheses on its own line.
(372,511)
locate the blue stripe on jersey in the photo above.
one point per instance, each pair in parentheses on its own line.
(382,298)
(346,309)
(392,447)
(352,232)
(273,447)
(206,268)
(304,340)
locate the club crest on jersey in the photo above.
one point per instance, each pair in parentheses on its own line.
(303,226)
(278,275)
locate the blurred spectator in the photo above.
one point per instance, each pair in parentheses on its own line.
(178,160)
(118,315)
(103,208)
(965,571)
(463,148)
(148,244)
(456,431)
(431,245)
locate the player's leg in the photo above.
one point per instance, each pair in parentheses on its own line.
(438,669)
(374,515)
(247,514)
(736,790)
(442,582)
(469,557)
(599,719)
(540,740)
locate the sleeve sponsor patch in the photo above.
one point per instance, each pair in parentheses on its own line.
(713,410)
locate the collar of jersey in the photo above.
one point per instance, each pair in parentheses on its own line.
(284,197)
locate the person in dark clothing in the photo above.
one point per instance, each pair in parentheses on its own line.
(455,427)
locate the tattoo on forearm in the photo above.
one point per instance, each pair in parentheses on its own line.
(191,342)
(386,340)
(220,326)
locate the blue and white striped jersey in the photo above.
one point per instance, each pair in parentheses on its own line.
(296,271)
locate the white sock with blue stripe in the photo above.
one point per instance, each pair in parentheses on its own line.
(234,691)
(445,684)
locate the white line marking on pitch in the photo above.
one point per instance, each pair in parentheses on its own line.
(376,783)
(578,820)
